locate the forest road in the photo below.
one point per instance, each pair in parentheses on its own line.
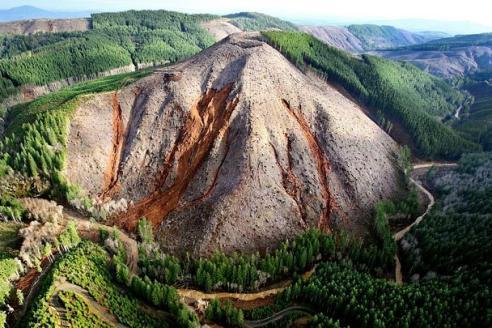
(400,234)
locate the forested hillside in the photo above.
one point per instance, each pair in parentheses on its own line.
(247,21)
(382,36)
(476,122)
(151,36)
(142,38)
(396,93)
(117,39)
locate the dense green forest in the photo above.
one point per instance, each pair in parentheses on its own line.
(116,40)
(83,56)
(447,259)
(87,266)
(12,45)
(248,21)
(476,122)
(396,93)
(155,36)
(455,236)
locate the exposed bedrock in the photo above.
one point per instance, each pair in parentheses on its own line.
(233,149)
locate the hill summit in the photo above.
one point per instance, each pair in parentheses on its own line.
(233,149)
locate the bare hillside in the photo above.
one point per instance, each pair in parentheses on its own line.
(446,63)
(338,37)
(33,26)
(233,149)
(220,28)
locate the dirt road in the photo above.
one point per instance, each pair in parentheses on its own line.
(400,234)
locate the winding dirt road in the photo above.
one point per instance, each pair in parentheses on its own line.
(400,234)
(91,230)
(241,299)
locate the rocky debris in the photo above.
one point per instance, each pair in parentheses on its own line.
(47,225)
(240,152)
(42,210)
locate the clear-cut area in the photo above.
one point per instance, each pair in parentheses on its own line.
(232,149)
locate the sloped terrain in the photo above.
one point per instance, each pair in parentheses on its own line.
(234,149)
(365,37)
(338,37)
(33,26)
(449,57)
(451,63)
(220,28)
(384,36)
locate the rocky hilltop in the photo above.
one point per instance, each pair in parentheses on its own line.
(233,149)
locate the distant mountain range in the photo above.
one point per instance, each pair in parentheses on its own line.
(30,12)
(364,37)
(413,25)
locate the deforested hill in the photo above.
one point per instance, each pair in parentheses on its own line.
(458,56)
(232,149)
(34,26)
(405,101)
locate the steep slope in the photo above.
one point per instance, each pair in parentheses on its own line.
(405,101)
(233,149)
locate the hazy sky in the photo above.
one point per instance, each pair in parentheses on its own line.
(477,11)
